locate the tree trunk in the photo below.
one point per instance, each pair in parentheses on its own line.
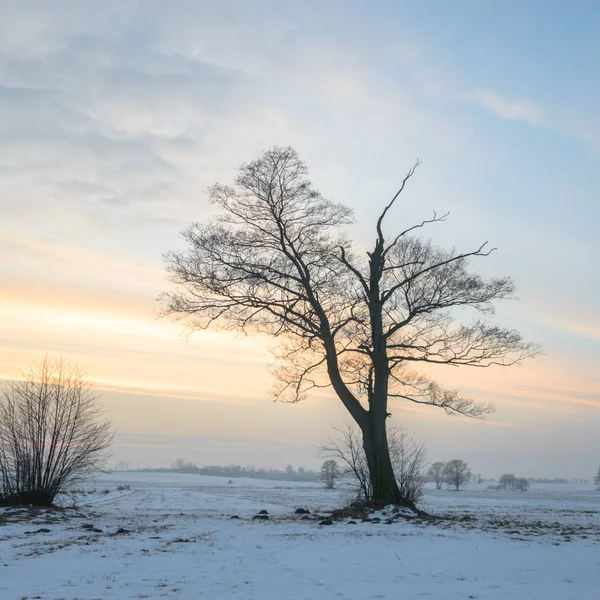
(384,487)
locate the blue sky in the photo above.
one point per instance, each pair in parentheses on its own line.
(116,116)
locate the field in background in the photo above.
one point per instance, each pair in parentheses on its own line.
(170,535)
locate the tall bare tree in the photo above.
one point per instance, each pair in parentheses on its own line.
(275,262)
(52,433)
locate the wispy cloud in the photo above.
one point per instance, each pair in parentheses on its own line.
(589,329)
(513,110)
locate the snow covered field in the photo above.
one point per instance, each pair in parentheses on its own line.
(173,536)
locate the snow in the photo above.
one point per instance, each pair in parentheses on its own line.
(181,542)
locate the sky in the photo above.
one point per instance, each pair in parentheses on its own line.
(115,117)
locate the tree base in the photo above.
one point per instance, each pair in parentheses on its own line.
(37,499)
(363,509)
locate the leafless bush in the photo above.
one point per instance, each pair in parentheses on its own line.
(408,459)
(407,455)
(346,446)
(52,434)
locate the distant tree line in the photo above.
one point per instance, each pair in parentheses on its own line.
(233,471)
(544,480)
(442,473)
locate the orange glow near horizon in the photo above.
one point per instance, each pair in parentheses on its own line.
(146,369)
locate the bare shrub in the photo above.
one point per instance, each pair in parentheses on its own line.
(52,434)
(346,446)
(407,455)
(408,459)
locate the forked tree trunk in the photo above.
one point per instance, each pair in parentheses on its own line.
(384,486)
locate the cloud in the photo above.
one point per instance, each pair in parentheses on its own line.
(519,110)
(589,329)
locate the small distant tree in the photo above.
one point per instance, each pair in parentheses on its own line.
(181,465)
(597,478)
(330,473)
(436,474)
(52,434)
(521,484)
(456,473)
(507,482)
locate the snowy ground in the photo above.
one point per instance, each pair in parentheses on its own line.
(178,540)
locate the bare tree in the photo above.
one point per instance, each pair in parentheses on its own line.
(521,484)
(436,473)
(182,465)
(456,473)
(330,473)
(52,433)
(274,262)
(406,453)
(507,482)
(597,477)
